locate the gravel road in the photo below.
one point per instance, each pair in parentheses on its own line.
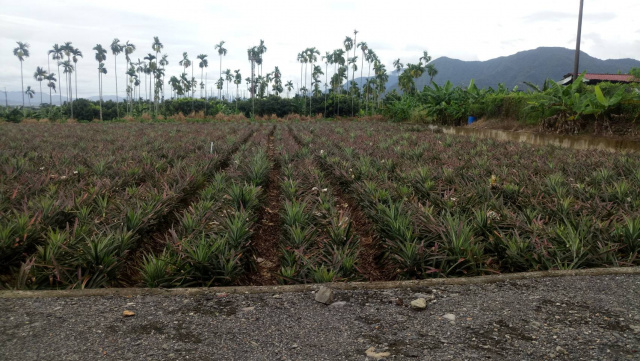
(567,318)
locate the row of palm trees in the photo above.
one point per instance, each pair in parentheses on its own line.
(414,71)
(152,66)
(342,62)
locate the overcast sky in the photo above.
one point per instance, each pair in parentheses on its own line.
(463,29)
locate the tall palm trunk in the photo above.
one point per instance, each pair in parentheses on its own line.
(24,111)
(156,98)
(339,81)
(60,77)
(361,69)
(311,86)
(115,60)
(326,78)
(353,80)
(40,92)
(192,90)
(75,74)
(206,80)
(367,99)
(70,94)
(49,72)
(145,85)
(220,90)
(100,91)
(305,82)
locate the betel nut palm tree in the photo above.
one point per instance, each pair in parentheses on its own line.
(101,70)
(157,46)
(51,83)
(21,52)
(67,69)
(129,48)
(204,63)
(101,56)
(363,47)
(56,54)
(67,49)
(39,76)
(76,53)
(221,52)
(116,48)
(229,78)
(30,93)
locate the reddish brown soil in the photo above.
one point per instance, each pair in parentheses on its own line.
(370,256)
(157,237)
(266,237)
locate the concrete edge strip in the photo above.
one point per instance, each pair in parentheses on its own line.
(129,292)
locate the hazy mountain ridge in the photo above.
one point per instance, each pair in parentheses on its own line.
(533,66)
(15,98)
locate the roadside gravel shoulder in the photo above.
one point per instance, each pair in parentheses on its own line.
(566,318)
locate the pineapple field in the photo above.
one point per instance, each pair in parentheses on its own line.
(259,203)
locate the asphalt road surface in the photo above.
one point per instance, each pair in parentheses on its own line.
(567,318)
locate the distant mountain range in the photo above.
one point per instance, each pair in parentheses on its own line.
(15,98)
(533,66)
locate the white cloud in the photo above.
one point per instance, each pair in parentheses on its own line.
(477,30)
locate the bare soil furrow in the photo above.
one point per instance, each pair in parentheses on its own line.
(266,236)
(370,256)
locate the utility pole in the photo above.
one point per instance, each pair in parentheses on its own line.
(576,61)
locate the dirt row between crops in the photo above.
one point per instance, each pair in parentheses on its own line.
(156,239)
(266,236)
(519,316)
(370,263)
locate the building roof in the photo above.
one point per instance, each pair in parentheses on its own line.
(593,77)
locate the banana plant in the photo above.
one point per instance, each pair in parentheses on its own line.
(561,108)
(601,106)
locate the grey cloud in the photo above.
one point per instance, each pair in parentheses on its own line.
(595,45)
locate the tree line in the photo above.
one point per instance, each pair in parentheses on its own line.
(145,76)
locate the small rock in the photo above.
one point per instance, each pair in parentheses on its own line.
(277,296)
(635,328)
(247,309)
(338,304)
(324,295)
(535,324)
(450,316)
(410,353)
(371,352)
(419,304)
(429,297)
(399,301)
(561,350)
(128,313)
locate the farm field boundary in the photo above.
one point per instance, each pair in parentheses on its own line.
(130,292)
